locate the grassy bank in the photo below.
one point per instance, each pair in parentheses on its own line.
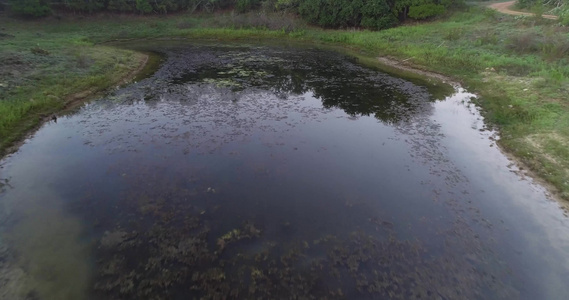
(43,70)
(519,66)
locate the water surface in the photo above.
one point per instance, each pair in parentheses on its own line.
(274,172)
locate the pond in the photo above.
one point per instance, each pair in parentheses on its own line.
(275,172)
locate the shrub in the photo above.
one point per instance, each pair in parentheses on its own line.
(375,14)
(286,5)
(524,43)
(453,34)
(39,51)
(121,5)
(143,6)
(30,8)
(488,38)
(426,11)
(84,5)
(564,17)
(246,5)
(527,3)
(184,25)
(555,47)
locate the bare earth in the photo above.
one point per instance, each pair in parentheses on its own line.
(504,7)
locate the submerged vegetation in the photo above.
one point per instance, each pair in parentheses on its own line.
(171,243)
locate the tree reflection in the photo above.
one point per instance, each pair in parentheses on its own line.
(337,80)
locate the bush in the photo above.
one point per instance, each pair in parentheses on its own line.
(426,11)
(526,3)
(88,6)
(555,47)
(375,14)
(143,6)
(453,34)
(246,5)
(524,43)
(121,5)
(30,8)
(286,5)
(564,17)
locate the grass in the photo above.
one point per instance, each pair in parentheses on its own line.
(518,65)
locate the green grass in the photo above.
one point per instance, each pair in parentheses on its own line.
(518,65)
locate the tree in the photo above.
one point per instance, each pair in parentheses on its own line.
(30,8)
(143,6)
(121,5)
(376,14)
(88,6)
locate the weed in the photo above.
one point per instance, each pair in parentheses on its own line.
(39,51)
(555,47)
(488,38)
(184,24)
(453,34)
(527,42)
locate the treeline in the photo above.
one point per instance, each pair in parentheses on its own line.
(374,14)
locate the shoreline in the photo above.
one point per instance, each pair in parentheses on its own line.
(525,171)
(71,102)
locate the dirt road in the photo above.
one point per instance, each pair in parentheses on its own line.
(504,7)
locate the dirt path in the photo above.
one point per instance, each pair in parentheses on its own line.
(504,7)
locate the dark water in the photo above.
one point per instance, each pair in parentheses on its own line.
(263,172)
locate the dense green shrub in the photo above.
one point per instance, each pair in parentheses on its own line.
(426,11)
(85,5)
(143,6)
(527,3)
(246,5)
(374,14)
(285,5)
(564,16)
(30,8)
(121,5)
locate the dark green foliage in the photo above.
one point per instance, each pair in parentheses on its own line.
(121,5)
(426,11)
(84,5)
(143,6)
(527,3)
(246,5)
(30,8)
(374,14)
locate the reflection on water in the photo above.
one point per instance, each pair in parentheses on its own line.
(267,172)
